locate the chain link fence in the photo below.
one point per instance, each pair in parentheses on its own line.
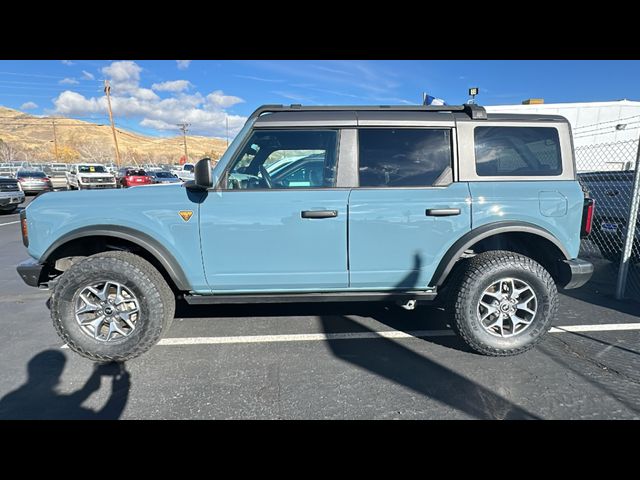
(607,172)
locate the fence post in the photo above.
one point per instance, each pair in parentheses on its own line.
(631,230)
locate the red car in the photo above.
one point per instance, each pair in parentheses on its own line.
(130,177)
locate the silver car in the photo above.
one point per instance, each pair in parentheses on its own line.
(163,177)
(33,181)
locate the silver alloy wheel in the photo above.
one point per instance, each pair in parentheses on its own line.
(107,311)
(507,307)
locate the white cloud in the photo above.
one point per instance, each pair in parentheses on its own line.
(183,64)
(68,81)
(205,113)
(28,106)
(67,62)
(218,99)
(87,75)
(172,86)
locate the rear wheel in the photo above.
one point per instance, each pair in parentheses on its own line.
(505,303)
(112,306)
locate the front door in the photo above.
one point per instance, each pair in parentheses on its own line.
(278,223)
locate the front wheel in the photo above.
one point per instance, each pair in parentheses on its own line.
(505,303)
(112,306)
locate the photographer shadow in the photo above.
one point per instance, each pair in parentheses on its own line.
(38,398)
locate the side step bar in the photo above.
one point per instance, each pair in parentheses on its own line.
(311,297)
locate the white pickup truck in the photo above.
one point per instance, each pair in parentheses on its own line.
(184,172)
(86,176)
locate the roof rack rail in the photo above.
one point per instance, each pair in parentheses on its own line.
(475,112)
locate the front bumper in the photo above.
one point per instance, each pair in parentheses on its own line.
(30,271)
(96,186)
(9,198)
(580,271)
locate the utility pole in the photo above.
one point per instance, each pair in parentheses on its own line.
(107,91)
(55,139)
(184,126)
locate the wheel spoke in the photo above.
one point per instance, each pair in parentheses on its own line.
(496,295)
(88,305)
(126,317)
(523,306)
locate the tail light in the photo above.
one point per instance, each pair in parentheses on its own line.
(24,228)
(587,217)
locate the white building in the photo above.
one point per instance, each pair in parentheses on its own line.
(605,134)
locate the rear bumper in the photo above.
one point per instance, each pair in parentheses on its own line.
(580,273)
(7,198)
(30,271)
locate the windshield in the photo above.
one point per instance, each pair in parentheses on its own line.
(164,175)
(136,173)
(91,169)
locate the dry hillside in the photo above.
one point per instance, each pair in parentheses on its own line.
(31,138)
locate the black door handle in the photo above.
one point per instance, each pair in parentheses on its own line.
(319,213)
(442,212)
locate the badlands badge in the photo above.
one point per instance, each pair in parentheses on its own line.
(185,214)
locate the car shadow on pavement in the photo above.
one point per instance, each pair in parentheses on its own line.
(387,358)
(619,386)
(38,398)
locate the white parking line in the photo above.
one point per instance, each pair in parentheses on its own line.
(304,337)
(9,223)
(319,337)
(605,327)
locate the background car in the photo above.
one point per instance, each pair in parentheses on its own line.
(58,178)
(33,181)
(163,177)
(132,177)
(11,195)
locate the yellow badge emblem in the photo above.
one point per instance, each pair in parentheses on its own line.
(186,214)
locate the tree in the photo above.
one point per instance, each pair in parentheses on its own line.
(7,152)
(67,154)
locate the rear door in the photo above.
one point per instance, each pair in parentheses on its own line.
(407,210)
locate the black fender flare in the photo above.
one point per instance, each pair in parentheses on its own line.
(153,246)
(485,231)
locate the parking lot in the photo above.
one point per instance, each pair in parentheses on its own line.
(338,361)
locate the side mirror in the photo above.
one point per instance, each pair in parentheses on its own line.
(203,177)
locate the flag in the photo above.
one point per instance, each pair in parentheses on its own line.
(429,100)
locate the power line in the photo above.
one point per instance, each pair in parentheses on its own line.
(607,121)
(30,75)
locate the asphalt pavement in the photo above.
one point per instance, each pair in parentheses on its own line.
(331,361)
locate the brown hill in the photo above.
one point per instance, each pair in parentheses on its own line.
(31,138)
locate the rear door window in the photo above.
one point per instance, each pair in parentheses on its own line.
(403,157)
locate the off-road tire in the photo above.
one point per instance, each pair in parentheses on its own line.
(157,305)
(470,280)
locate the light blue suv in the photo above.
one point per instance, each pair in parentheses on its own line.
(313,204)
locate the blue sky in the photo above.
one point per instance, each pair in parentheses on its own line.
(152,96)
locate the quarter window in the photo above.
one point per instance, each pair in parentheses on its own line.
(517,151)
(285,159)
(403,157)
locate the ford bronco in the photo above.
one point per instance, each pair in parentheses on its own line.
(404,204)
